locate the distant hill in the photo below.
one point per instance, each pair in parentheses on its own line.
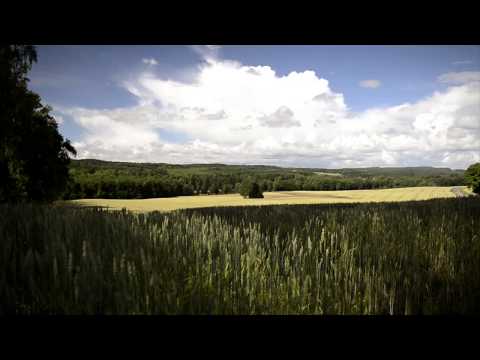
(171,168)
(400,171)
(421,171)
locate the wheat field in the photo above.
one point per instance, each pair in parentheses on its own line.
(402,258)
(272,198)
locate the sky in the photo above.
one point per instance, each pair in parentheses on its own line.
(297,106)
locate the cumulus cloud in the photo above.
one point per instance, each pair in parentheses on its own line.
(233,113)
(459,77)
(370,84)
(150,61)
(282,117)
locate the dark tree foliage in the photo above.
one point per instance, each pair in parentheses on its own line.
(250,189)
(34,156)
(245,187)
(472,176)
(255,192)
(103,179)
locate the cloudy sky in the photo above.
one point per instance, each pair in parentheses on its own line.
(302,106)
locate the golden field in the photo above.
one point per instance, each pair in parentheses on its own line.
(272,198)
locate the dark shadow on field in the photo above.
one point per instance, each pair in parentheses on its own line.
(68,205)
(300,213)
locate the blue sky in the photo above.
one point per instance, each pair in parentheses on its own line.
(88,85)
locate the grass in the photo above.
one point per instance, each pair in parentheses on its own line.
(376,258)
(272,198)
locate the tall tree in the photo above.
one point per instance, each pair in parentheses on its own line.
(34,156)
(250,189)
(245,187)
(255,192)
(472,176)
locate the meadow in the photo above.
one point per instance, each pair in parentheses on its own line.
(378,258)
(273,198)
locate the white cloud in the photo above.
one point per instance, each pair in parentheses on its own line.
(282,117)
(233,113)
(58,118)
(459,77)
(371,84)
(462,62)
(213,47)
(150,61)
(209,53)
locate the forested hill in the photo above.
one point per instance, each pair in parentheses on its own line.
(173,168)
(390,171)
(104,179)
(162,167)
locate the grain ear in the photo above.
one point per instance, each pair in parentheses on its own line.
(377,258)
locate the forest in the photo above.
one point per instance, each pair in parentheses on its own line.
(122,180)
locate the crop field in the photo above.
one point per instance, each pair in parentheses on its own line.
(273,198)
(376,258)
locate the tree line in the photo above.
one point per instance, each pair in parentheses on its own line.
(112,184)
